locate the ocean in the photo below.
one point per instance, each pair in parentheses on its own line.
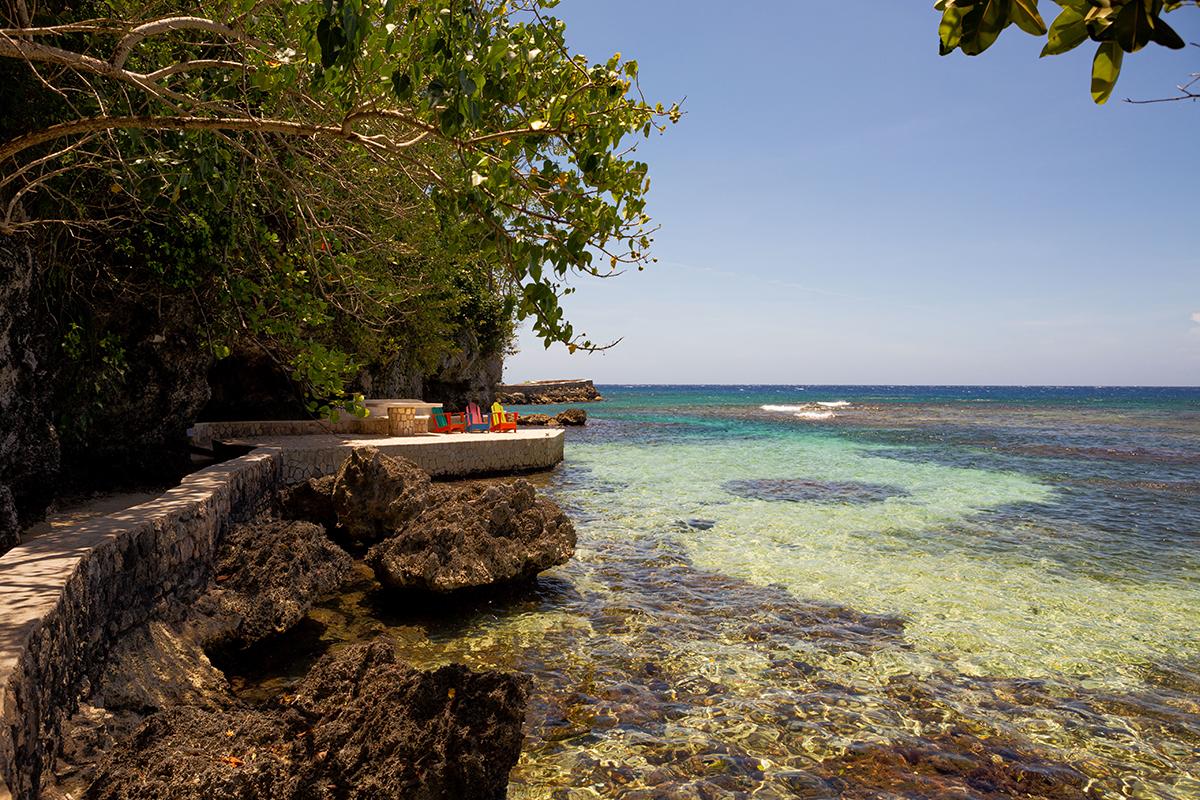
(870,591)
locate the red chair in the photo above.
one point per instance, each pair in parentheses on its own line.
(446,423)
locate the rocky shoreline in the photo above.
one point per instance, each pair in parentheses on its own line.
(548,392)
(161,720)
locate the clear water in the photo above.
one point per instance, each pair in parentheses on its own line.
(856,592)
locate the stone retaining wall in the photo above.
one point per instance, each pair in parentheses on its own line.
(67,595)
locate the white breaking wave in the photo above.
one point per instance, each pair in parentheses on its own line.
(808,410)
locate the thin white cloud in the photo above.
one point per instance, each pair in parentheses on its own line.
(1196,317)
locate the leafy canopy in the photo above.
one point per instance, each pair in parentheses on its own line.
(312,155)
(1117,26)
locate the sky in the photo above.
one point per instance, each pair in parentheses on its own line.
(840,205)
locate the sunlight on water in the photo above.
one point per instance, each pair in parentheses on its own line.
(924,556)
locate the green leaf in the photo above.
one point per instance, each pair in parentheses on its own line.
(1166,36)
(950,30)
(1068,32)
(402,84)
(1025,14)
(982,25)
(1132,27)
(1106,68)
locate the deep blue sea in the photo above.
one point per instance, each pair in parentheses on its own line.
(870,591)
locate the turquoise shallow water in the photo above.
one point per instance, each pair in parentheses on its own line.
(854,592)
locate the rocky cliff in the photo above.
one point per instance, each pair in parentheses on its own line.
(470,373)
(29,446)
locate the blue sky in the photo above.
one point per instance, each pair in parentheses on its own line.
(842,205)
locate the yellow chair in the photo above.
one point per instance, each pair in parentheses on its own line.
(503,421)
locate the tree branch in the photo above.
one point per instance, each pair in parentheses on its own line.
(135,36)
(64,129)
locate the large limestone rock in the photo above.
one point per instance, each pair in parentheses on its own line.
(386,730)
(473,536)
(157,666)
(310,500)
(268,576)
(375,495)
(572,416)
(361,727)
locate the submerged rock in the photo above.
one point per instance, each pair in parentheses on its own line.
(375,495)
(797,490)
(268,576)
(310,500)
(572,416)
(474,536)
(361,727)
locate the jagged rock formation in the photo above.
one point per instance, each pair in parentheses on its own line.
(475,536)
(311,500)
(157,666)
(375,495)
(438,538)
(545,392)
(267,578)
(570,417)
(361,727)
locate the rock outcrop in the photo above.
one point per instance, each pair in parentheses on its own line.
(375,495)
(361,727)
(310,500)
(268,576)
(545,392)
(568,418)
(476,535)
(572,416)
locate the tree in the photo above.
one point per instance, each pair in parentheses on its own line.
(295,136)
(1117,26)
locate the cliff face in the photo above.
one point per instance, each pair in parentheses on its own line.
(468,374)
(76,421)
(29,446)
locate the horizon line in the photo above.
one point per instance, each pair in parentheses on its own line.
(889,385)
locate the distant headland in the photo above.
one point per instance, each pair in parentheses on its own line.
(544,392)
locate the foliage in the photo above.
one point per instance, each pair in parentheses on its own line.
(334,179)
(1117,26)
